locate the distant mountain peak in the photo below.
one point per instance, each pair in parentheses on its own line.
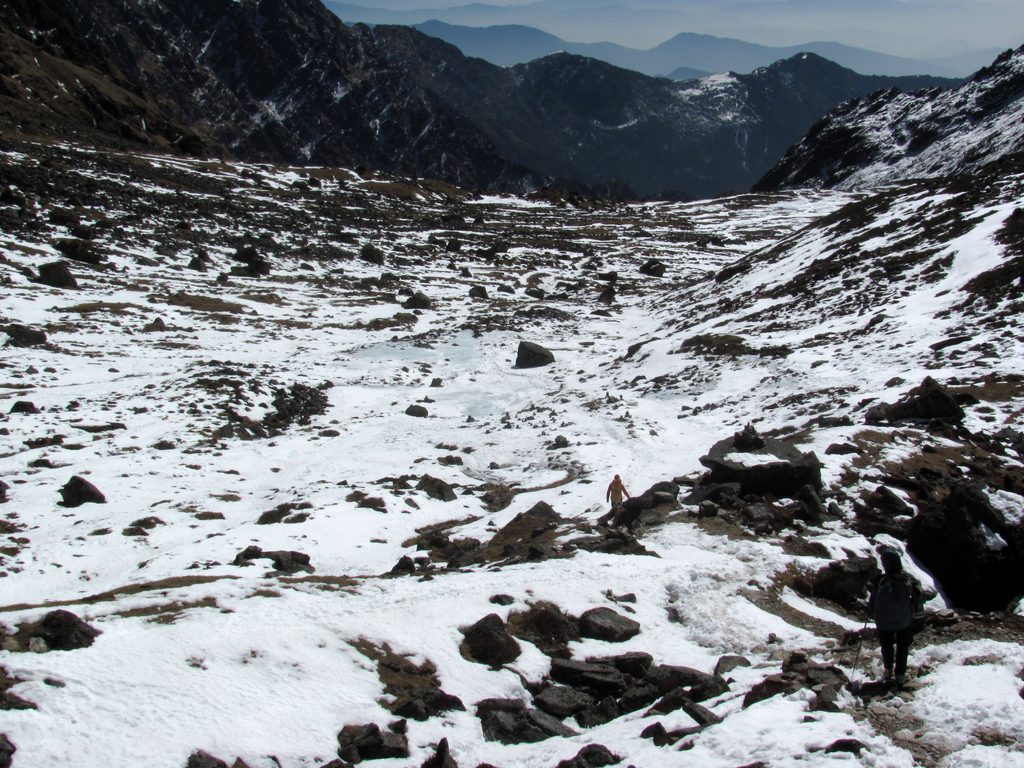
(893,136)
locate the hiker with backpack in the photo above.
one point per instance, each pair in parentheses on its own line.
(894,598)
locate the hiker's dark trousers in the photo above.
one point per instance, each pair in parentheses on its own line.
(895,647)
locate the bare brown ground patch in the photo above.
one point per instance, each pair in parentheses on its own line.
(174,582)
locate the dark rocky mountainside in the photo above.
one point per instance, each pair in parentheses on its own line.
(574,117)
(286,81)
(280,80)
(894,136)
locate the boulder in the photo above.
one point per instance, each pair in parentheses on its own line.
(441,758)
(604,711)
(692,683)
(546,626)
(761,465)
(531,355)
(436,488)
(606,624)
(928,401)
(255,264)
(289,562)
(843,581)
(601,679)
(22,336)
(56,274)
(77,249)
(478,292)
(510,721)
(200,759)
(653,268)
(78,491)
(64,631)
(371,254)
(975,553)
(635,663)
(368,742)
(7,750)
(4,487)
(488,642)
(419,411)
(562,701)
(591,756)
(418,301)
(631,511)
(24,406)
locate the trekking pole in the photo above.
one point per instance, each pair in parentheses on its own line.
(854,685)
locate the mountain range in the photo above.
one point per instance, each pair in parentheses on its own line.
(286,81)
(683,56)
(717,49)
(890,136)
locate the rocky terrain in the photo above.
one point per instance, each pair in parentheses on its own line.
(890,137)
(307,467)
(287,81)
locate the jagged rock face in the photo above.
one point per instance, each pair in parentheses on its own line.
(892,136)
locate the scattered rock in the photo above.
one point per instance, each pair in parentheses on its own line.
(200,759)
(441,758)
(24,406)
(77,249)
(371,254)
(7,750)
(417,410)
(22,336)
(56,274)
(418,301)
(928,401)
(436,488)
(478,292)
(970,548)
(605,624)
(842,581)
(488,642)
(78,491)
(157,325)
(510,721)
(288,562)
(63,631)
(531,355)
(562,701)
(591,756)
(256,265)
(4,487)
(653,268)
(761,465)
(546,626)
(601,679)
(368,742)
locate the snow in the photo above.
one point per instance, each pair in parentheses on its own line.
(244,663)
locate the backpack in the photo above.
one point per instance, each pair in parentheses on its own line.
(895,600)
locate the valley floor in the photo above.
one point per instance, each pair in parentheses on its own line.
(207,291)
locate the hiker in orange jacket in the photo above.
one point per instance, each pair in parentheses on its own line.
(615,491)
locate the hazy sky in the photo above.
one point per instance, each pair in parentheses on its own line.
(917,28)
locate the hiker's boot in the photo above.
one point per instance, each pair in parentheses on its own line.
(887,677)
(900,681)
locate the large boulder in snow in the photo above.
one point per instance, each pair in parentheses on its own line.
(605,624)
(64,631)
(78,491)
(56,274)
(489,642)
(510,721)
(531,355)
(922,404)
(368,742)
(844,582)
(761,465)
(974,550)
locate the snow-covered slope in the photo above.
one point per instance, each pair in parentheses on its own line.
(892,136)
(793,311)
